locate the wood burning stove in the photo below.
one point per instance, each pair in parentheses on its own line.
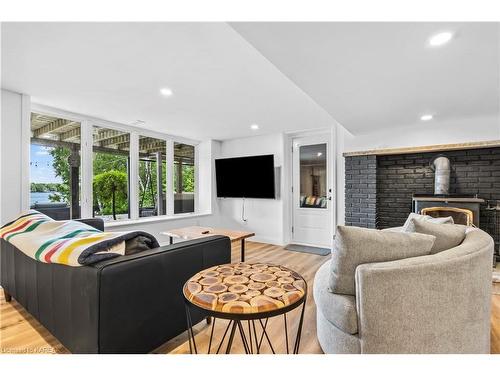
(469,202)
(462,216)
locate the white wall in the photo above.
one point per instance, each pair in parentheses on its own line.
(205,174)
(342,136)
(433,132)
(264,216)
(10,156)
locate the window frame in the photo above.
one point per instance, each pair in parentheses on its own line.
(86,143)
(195,175)
(89,166)
(165,172)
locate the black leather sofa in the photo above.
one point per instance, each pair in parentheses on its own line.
(129,304)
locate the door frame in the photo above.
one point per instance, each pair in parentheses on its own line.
(288,198)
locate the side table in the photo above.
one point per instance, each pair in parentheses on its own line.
(246,293)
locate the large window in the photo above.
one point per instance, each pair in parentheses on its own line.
(55,166)
(85,167)
(111,165)
(152,177)
(184,184)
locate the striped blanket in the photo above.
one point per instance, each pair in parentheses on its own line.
(69,242)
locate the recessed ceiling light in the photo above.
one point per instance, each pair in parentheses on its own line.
(254,127)
(426,117)
(166,91)
(319,154)
(440,38)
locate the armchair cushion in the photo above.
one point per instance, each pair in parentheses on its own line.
(447,235)
(436,220)
(338,309)
(355,246)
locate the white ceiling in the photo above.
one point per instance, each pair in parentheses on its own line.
(282,76)
(114,71)
(381,75)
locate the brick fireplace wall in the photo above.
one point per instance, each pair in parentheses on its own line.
(361,191)
(379,189)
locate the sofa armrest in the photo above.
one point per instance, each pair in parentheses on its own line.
(93,222)
(63,299)
(429,304)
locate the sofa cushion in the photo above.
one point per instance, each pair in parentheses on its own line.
(436,220)
(355,246)
(338,309)
(447,235)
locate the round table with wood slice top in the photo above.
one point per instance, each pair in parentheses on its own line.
(247,292)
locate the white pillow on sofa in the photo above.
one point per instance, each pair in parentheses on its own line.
(447,235)
(430,219)
(355,246)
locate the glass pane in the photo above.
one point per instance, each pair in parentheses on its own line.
(55,166)
(313,176)
(183,178)
(111,174)
(152,163)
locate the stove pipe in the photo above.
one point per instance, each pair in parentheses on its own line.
(441,167)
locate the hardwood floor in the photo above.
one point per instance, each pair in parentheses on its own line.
(21,333)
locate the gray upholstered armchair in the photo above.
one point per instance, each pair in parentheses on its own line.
(429,304)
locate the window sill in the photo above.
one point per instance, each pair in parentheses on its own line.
(146,220)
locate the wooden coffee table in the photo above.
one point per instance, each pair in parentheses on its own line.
(189,233)
(246,292)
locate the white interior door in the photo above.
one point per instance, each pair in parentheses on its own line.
(312,191)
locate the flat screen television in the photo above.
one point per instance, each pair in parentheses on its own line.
(245,177)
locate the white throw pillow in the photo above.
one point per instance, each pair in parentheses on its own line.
(430,219)
(447,235)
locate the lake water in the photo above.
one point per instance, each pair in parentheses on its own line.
(40,197)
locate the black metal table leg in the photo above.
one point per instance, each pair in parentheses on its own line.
(171,240)
(299,329)
(264,333)
(211,336)
(250,336)
(243,338)
(247,342)
(286,334)
(257,345)
(223,337)
(231,337)
(242,249)
(190,331)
